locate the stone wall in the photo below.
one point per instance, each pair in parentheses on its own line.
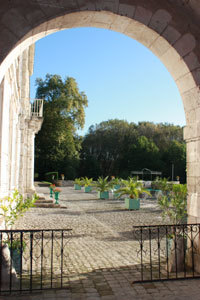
(17,127)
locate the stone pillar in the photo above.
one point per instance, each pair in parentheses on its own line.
(4,138)
(33,126)
(193,171)
(192,137)
(23,150)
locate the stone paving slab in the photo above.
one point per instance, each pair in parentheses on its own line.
(103,261)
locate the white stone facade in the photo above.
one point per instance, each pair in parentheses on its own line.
(17,127)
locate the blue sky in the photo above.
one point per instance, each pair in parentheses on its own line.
(121,78)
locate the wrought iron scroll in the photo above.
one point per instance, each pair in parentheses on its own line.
(33,259)
(167,252)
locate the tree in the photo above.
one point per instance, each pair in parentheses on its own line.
(57,144)
(116,147)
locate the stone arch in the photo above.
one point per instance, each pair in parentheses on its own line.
(170,33)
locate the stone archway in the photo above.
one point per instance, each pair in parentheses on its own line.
(168,28)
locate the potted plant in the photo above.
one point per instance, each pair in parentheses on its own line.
(12,208)
(133,189)
(174,204)
(87,182)
(174,209)
(103,186)
(16,247)
(78,184)
(116,182)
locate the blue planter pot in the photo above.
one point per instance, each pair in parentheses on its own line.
(103,195)
(117,186)
(16,259)
(88,189)
(133,204)
(77,186)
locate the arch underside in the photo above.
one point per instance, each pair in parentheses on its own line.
(170,29)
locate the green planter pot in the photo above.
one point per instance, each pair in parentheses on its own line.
(103,195)
(88,189)
(57,197)
(77,186)
(51,192)
(133,204)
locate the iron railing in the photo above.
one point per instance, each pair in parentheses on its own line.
(37,108)
(167,252)
(33,259)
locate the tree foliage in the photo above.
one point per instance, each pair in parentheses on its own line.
(116,147)
(57,144)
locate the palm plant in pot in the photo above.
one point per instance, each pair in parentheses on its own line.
(87,182)
(78,184)
(103,185)
(133,189)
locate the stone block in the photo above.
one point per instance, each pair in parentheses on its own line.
(54,24)
(193,204)
(84,5)
(171,34)
(141,33)
(142,15)
(110,5)
(190,132)
(120,24)
(191,98)
(134,30)
(185,83)
(159,46)
(192,61)
(190,116)
(170,58)
(192,151)
(179,69)
(185,44)
(193,169)
(106,18)
(160,20)
(196,76)
(126,10)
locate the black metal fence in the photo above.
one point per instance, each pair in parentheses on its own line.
(167,252)
(33,259)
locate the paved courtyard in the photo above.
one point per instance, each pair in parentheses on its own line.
(102,252)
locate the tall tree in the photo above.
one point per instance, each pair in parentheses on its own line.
(57,144)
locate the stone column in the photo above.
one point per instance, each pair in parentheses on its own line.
(34,125)
(4,138)
(192,138)
(23,150)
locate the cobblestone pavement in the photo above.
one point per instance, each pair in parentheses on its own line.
(102,251)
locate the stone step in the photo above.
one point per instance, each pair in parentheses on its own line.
(44,201)
(47,205)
